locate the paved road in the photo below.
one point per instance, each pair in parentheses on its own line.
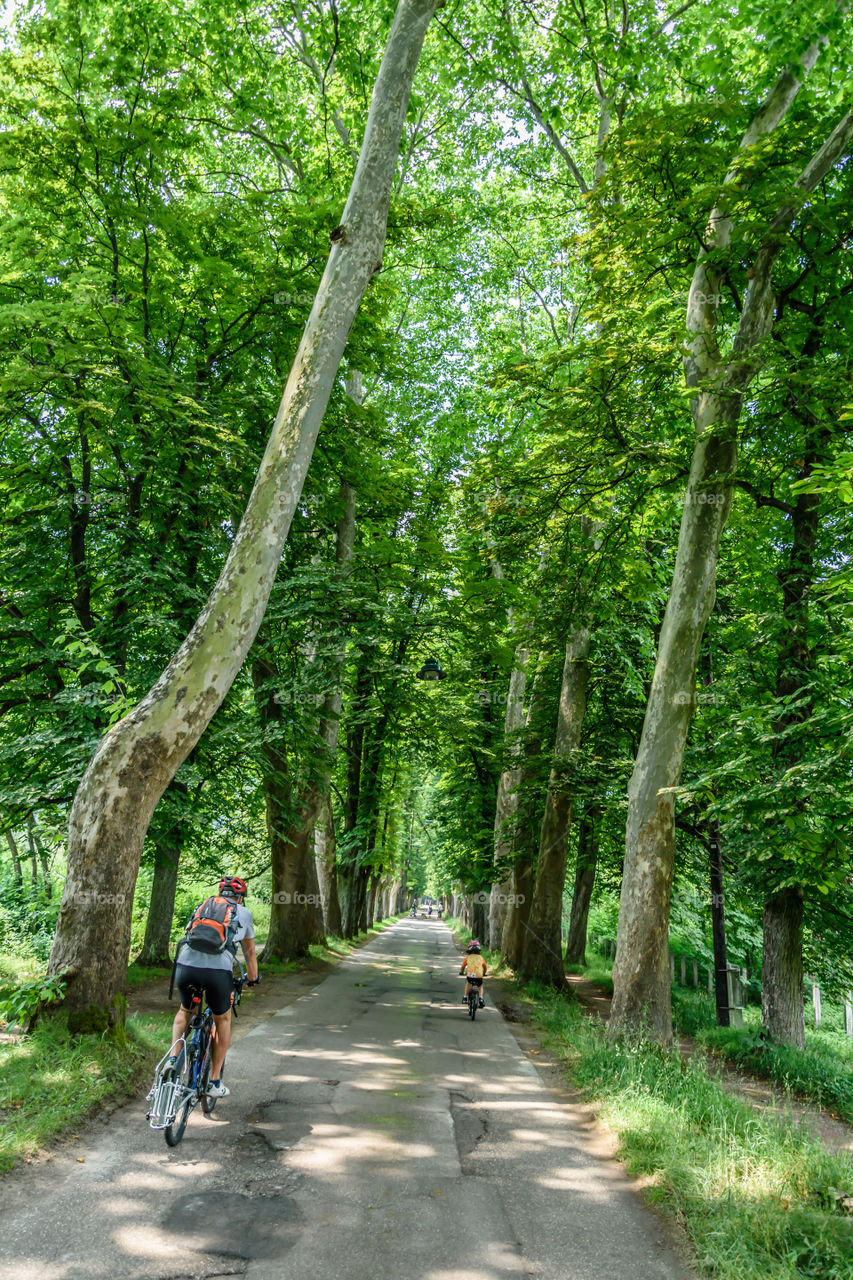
(374,1133)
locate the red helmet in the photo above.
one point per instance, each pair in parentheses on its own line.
(233,885)
(474,945)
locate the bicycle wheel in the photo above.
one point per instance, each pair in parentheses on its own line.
(182,1072)
(472,1005)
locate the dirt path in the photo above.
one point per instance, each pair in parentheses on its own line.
(836,1134)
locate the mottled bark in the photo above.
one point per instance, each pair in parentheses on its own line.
(641,998)
(587,860)
(327,875)
(782,974)
(516,923)
(506,804)
(542,954)
(140,755)
(161,908)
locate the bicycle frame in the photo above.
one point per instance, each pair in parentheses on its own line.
(168,1096)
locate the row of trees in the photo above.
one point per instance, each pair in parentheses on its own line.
(588,448)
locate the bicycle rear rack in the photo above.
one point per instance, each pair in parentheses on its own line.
(166,1098)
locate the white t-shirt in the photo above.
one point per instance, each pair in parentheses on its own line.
(203,960)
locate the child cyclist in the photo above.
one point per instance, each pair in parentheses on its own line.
(475,969)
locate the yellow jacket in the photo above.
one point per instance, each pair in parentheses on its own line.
(475,965)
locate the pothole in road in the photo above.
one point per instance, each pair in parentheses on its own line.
(470,1127)
(281,1124)
(233,1225)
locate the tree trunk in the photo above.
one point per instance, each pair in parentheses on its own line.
(641,989)
(36,844)
(584,883)
(479,918)
(718,926)
(16,861)
(139,756)
(507,799)
(161,911)
(782,975)
(327,876)
(542,954)
(794,674)
(516,923)
(296,915)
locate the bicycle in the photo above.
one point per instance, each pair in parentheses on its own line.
(179,1087)
(473,995)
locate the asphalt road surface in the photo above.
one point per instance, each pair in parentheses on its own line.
(373,1133)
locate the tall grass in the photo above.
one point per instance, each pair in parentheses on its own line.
(760,1200)
(51,1081)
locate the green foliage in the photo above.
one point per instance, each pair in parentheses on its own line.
(29,999)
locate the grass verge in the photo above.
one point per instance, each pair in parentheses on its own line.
(760,1200)
(53,1081)
(822,1072)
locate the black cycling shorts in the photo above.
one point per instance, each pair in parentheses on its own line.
(475,982)
(216,984)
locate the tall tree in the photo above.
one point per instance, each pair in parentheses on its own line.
(641,1002)
(139,756)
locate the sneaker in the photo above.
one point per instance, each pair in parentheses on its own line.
(217,1090)
(464,999)
(482,1004)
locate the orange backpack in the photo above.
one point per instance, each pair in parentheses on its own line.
(212,927)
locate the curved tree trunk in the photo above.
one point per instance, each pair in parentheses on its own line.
(584,884)
(641,989)
(161,910)
(139,756)
(542,954)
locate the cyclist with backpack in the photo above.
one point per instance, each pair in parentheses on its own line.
(204,961)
